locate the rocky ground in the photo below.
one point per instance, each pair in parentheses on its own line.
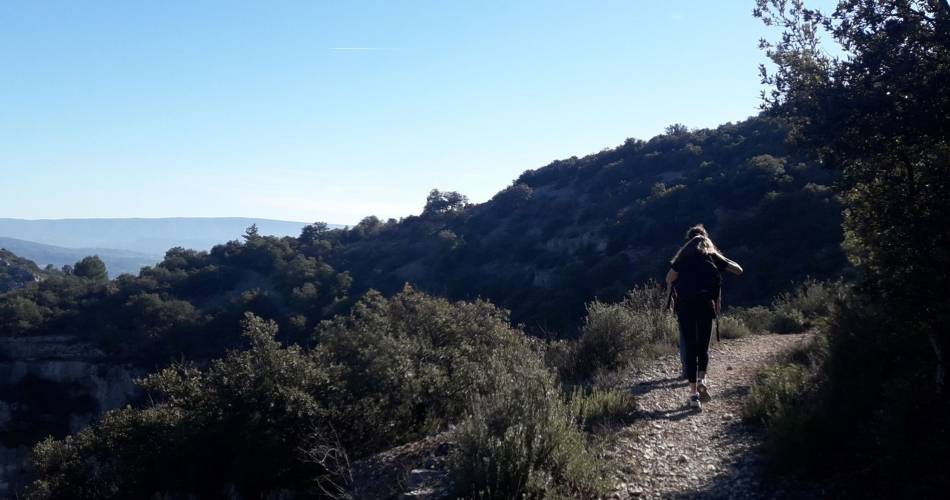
(673,451)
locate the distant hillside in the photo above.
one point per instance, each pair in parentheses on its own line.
(16,272)
(145,236)
(116,261)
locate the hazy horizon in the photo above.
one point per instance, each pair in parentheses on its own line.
(156,218)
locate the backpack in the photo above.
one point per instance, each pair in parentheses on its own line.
(699,281)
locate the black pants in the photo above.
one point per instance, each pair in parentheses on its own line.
(695,321)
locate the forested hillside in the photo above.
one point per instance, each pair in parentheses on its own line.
(559,237)
(590,227)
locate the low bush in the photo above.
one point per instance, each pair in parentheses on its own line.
(647,305)
(408,365)
(522,441)
(613,335)
(813,299)
(236,427)
(786,399)
(776,391)
(758,319)
(788,320)
(561,357)
(599,407)
(779,388)
(807,306)
(732,327)
(609,338)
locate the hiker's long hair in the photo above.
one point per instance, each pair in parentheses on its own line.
(697,243)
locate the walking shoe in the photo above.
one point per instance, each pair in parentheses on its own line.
(694,402)
(703,391)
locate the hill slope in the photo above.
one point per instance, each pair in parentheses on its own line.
(589,227)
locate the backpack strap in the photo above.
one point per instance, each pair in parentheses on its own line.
(718,309)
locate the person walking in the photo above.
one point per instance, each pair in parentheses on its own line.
(695,280)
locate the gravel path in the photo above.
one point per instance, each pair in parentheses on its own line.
(672,451)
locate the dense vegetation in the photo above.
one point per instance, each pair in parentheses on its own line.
(271,418)
(874,408)
(594,227)
(190,304)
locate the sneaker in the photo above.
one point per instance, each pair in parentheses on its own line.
(703,390)
(694,402)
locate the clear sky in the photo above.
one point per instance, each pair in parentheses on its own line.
(334,110)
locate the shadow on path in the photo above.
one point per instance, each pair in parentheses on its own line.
(652,385)
(671,415)
(742,475)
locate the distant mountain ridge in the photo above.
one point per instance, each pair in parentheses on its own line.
(117,261)
(142,235)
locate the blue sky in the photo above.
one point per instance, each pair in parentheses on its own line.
(333,110)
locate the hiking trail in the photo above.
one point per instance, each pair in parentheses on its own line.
(672,451)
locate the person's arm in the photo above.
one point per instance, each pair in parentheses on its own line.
(731,266)
(671,276)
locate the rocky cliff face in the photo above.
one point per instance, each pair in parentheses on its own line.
(52,385)
(16,272)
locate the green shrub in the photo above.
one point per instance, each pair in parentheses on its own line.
(523,442)
(788,399)
(731,327)
(759,319)
(777,389)
(608,339)
(409,365)
(561,356)
(237,426)
(789,320)
(595,407)
(613,334)
(807,306)
(647,305)
(814,299)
